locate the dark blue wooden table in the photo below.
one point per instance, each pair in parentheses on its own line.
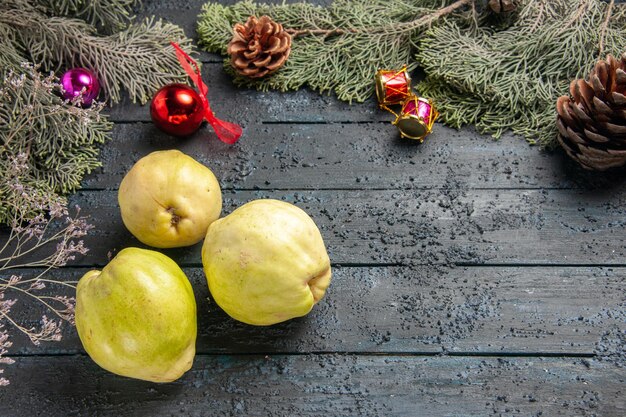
(471,276)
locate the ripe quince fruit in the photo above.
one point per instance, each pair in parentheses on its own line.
(137,317)
(266,262)
(168,199)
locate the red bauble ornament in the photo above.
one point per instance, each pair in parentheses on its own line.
(177,109)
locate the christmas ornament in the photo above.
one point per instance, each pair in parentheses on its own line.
(80,82)
(417,118)
(592,122)
(417,115)
(259,47)
(179,110)
(392,86)
(502,6)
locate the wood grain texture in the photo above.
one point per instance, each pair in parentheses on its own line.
(440,226)
(316,385)
(471,276)
(246,106)
(351,156)
(418,310)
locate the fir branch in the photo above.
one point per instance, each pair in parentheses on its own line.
(60,139)
(605,26)
(106,15)
(513,77)
(338,48)
(138,59)
(496,71)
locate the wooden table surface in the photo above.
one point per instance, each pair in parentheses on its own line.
(471,276)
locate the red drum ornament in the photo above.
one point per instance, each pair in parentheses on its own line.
(392,86)
(417,118)
(177,109)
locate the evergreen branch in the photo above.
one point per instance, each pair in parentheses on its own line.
(425,20)
(496,71)
(58,139)
(513,77)
(138,59)
(404,27)
(107,15)
(313,32)
(351,40)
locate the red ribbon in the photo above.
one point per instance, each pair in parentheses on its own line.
(227,132)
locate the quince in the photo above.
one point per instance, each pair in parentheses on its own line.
(137,317)
(168,199)
(266,262)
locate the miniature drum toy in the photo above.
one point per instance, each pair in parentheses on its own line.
(392,86)
(417,118)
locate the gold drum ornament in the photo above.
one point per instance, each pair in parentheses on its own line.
(417,118)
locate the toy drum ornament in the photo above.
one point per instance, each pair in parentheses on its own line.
(417,118)
(392,86)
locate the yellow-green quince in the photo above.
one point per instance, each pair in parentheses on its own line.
(137,317)
(266,262)
(168,199)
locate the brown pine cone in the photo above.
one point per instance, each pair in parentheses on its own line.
(592,123)
(259,47)
(502,6)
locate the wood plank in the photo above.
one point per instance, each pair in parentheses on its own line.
(442,226)
(416,310)
(354,156)
(314,385)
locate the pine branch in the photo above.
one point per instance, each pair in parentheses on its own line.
(338,48)
(496,71)
(138,59)
(59,139)
(514,76)
(605,26)
(107,15)
(393,28)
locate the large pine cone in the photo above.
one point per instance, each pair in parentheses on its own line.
(259,47)
(592,123)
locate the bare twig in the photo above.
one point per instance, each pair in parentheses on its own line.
(605,25)
(396,28)
(325,32)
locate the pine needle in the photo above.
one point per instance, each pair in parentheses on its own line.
(346,43)
(499,72)
(511,78)
(60,139)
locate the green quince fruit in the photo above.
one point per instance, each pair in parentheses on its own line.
(168,199)
(266,262)
(137,317)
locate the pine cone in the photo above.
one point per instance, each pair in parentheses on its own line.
(502,6)
(592,123)
(259,47)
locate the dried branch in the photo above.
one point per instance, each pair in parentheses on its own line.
(36,240)
(605,26)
